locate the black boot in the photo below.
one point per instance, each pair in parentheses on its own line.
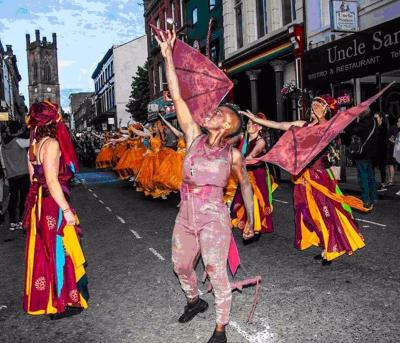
(326,262)
(69,312)
(218,337)
(192,309)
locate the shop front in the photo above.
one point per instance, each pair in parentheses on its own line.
(163,106)
(357,66)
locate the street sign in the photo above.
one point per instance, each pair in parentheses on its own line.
(4,116)
(344,16)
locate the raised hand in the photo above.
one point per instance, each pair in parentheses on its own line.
(166,43)
(248,114)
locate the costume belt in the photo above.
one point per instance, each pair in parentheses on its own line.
(207,192)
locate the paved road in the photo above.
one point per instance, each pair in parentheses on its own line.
(135,296)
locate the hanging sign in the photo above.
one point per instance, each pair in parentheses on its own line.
(344,16)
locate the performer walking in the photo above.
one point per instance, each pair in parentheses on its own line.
(203,224)
(55,277)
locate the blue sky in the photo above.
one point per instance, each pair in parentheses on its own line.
(85,29)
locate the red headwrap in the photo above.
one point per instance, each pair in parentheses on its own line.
(330,101)
(45,113)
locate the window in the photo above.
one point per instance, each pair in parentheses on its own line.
(194,16)
(262,23)
(160,77)
(181,12)
(158,22)
(288,11)
(35,72)
(153,72)
(46,72)
(214,53)
(173,11)
(212,4)
(239,25)
(165,21)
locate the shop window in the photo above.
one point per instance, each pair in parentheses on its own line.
(194,16)
(158,22)
(214,51)
(212,4)
(262,23)
(182,21)
(173,11)
(165,21)
(239,24)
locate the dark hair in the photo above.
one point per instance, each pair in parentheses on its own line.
(43,131)
(14,126)
(235,109)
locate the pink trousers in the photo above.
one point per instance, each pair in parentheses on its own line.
(203,227)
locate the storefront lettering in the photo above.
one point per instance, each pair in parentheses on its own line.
(386,41)
(358,64)
(336,54)
(317,75)
(395,54)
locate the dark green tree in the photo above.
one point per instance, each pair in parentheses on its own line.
(140,95)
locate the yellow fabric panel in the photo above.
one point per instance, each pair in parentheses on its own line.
(31,254)
(73,246)
(257,218)
(308,238)
(353,237)
(50,307)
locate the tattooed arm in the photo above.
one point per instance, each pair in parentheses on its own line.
(239,170)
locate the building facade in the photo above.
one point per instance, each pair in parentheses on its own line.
(43,69)
(112,80)
(82,110)
(156,12)
(263,43)
(353,50)
(11,102)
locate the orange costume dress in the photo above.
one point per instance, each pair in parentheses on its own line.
(132,159)
(151,162)
(104,157)
(169,174)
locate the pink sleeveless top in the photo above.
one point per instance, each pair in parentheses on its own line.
(205,165)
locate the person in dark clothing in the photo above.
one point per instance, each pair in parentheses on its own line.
(380,159)
(366,129)
(14,152)
(392,134)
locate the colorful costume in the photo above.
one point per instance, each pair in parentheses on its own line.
(105,156)
(151,162)
(323,214)
(203,223)
(262,185)
(130,162)
(169,174)
(55,276)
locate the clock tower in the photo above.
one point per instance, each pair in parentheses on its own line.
(42,69)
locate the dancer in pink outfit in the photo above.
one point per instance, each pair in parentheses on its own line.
(203,224)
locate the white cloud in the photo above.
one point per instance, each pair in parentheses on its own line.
(62,64)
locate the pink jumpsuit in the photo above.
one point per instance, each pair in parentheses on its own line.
(203,224)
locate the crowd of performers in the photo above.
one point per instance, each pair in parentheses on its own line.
(323,215)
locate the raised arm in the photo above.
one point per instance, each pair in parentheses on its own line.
(239,170)
(284,125)
(174,130)
(258,149)
(189,127)
(141,133)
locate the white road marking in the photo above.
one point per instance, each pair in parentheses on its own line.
(95,195)
(108,209)
(121,219)
(157,254)
(135,234)
(281,201)
(101,202)
(200,292)
(365,225)
(369,222)
(3,307)
(263,336)
(90,190)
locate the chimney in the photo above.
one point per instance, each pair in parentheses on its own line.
(9,50)
(37,34)
(28,39)
(55,39)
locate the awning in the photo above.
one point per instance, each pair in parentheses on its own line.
(260,53)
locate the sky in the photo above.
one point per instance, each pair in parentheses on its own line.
(85,29)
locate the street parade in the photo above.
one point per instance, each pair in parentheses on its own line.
(230,175)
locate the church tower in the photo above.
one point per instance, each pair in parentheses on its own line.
(42,69)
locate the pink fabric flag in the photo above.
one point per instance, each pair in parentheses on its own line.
(233,257)
(202,84)
(300,145)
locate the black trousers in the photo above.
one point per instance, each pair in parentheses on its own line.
(19,187)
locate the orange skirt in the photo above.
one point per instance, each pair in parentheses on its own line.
(170,172)
(104,157)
